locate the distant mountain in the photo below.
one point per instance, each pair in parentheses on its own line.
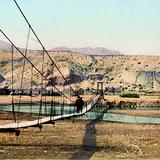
(61,49)
(89,51)
(4,46)
(96,51)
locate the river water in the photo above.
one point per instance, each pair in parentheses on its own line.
(66,109)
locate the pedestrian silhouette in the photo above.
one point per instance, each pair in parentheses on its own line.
(79,104)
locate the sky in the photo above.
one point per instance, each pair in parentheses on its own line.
(128,26)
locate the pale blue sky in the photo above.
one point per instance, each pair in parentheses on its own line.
(129,26)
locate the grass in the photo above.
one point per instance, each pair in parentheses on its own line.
(130,95)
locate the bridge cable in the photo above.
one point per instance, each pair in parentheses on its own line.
(45,96)
(54,103)
(52,96)
(40,111)
(45,91)
(22,76)
(70,110)
(13,109)
(41,104)
(62,106)
(44,47)
(31,90)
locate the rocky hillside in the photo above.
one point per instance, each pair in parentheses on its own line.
(130,73)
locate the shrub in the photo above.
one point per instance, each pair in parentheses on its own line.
(4,91)
(3,63)
(130,95)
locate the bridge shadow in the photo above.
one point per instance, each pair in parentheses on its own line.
(89,146)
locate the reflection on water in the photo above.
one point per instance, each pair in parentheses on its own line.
(47,109)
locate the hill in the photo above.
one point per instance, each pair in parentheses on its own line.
(130,73)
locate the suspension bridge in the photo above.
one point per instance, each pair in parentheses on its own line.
(16,111)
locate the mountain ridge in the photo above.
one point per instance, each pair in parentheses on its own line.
(4,46)
(100,51)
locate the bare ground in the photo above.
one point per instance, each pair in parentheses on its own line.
(83,140)
(142,101)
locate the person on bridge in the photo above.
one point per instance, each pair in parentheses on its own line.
(79,104)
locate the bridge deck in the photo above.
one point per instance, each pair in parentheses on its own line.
(25,124)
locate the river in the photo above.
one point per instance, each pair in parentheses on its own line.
(46,109)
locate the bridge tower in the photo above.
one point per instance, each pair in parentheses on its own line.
(100,88)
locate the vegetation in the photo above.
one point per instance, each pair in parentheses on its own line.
(4,91)
(52,94)
(3,63)
(130,95)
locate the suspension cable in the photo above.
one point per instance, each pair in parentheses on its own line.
(45,96)
(13,109)
(44,47)
(52,95)
(40,111)
(62,106)
(31,90)
(23,69)
(42,83)
(50,82)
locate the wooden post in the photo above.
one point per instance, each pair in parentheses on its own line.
(100,88)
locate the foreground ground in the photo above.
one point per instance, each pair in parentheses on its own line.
(142,101)
(83,140)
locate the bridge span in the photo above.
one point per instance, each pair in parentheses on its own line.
(14,127)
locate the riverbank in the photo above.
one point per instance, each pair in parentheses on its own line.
(109,99)
(145,113)
(83,140)
(116,100)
